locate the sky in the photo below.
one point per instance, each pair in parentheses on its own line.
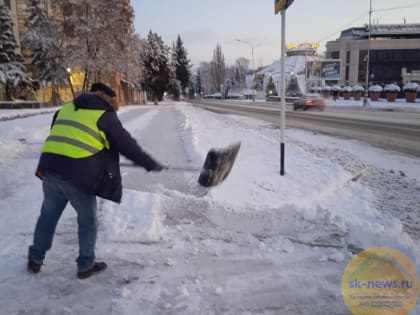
(256,243)
(204,24)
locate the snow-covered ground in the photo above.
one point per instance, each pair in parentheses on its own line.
(259,243)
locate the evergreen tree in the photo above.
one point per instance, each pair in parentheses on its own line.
(12,71)
(156,68)
(182,64)
(47,52)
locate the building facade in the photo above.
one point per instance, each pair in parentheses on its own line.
(392,48)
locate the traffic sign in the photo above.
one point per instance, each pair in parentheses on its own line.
(281,4)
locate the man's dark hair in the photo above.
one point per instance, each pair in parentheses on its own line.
(98,86)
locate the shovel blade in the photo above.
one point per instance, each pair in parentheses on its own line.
(218,164)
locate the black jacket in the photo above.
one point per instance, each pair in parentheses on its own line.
(100,173)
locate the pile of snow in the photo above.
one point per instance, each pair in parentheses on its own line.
(376,88)
(137,219)
(358,88)
(336,88)
(392,88)
(411,87)
(316,89)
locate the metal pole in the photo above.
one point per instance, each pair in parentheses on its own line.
(252,55)
(283,90)
(368,56)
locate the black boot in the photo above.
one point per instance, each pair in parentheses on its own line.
(33,267)
(97,267)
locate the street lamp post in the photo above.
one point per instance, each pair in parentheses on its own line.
(253,46)
(365,101)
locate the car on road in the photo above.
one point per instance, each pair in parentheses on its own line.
(310,101)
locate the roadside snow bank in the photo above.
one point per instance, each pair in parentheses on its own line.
(254,181)
(318,202)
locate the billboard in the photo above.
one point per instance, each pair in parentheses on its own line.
(302,46)
(328,70)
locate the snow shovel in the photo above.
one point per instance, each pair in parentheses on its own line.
(218,164)
(216,168)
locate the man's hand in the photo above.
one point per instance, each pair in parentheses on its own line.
(158,167)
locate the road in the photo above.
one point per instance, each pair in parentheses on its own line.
(391,130)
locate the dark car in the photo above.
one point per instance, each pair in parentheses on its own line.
(310,101)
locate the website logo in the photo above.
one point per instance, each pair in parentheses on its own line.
(380,281)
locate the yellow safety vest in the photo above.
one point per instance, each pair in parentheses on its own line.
(75,133)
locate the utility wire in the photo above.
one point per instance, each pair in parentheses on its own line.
(412,5)
(343,27)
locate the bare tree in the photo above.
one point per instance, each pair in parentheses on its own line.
(218,69)
(206,78)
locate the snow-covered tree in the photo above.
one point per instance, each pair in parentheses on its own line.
(49,54)
(198,87)
(133,64)
(182,63)
(104,32)
(12,71)
(156,67)
(241,68)
(174,86)
(229,84)
(218,69)
(207,85)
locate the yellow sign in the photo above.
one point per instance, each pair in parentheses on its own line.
(302,46)
(281,4)
(380,281)
(292,46)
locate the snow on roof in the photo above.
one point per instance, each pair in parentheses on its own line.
(411,86)
(293,64)
(382,30)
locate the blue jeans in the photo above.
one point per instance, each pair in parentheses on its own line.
(57,193)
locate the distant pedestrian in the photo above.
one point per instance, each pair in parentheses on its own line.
(79,161)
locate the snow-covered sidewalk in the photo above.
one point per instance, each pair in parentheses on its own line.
(260,243)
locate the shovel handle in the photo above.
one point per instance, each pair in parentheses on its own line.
(167,167)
